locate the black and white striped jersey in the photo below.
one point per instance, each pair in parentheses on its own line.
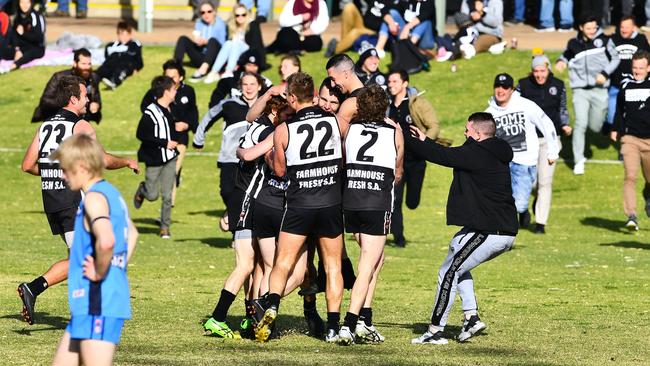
(370,157)
(155,130)
(56,194)
(250,174)
(313,156)
(233,111)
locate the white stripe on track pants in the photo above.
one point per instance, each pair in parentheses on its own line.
(467,250)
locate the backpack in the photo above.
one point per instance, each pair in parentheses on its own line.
(407,57)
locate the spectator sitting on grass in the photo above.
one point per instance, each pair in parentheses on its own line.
(122,57)
(28,35)
(302,22)
(408,20)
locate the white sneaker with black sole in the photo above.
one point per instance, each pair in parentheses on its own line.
(430,338)
(471,326)
(346,337)
(632,224)
(368,333)
(332,336)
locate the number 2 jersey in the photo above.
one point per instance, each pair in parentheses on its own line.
(56,194)
(370,157)
(110,296)
(313,156)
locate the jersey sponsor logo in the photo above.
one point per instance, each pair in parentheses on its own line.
(80,292)
(119,260)
(317,177)
(626,51)
(637,95)
(52,185)
(511,127)
(364,185)
(365,174)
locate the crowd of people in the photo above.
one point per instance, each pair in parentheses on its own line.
(301,165)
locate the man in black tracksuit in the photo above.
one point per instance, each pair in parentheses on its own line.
(632,126)
(480,200)
(123,57)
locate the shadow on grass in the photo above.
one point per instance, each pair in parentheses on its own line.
(607,224)
(628,244)
(54,322)
(286,324)
(213,242)
(216,213)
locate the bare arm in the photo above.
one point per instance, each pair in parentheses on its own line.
(256,151)
(346,112)
(399,160)
(111,161)
(30,160)
(132,240)
(280,140)
(97,221)
(257,108)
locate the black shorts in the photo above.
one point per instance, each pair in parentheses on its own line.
(266,221)
(62,221)
(367,222)
(240,211)
(320,222)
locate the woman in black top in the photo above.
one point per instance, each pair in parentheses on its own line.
(28,35)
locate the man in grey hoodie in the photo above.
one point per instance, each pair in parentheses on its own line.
(487,18)
(591,58)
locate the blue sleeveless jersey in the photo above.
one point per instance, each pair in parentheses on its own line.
(109,297)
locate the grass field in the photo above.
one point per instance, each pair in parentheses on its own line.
(578,295)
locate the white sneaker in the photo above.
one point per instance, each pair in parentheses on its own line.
(430,338)
(632,224)
(497,49)
(346,338)
(211,78)
(579,167)
(332,336)
(368,333)
(545,30)
(468,51)
(381,53)
(471,326)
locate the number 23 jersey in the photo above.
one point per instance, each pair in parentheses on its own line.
(313,157)
(370,157)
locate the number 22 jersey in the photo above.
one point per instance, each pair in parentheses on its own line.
(313,157)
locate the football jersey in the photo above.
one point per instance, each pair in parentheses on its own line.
(313,157)
(56,194)
(370,157)
(250,174)
(110,296)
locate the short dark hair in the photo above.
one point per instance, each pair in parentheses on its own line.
(339,60)
(67,87)
(402,74)
(588,19)
(295,60)
(81,52)
(484,122)
(627,17)
(172,64)
(333,90)
(161,83)
(372,103)
(257,77)
(125,25)
(641,54)
(301,85)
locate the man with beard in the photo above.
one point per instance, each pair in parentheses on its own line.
(82,67)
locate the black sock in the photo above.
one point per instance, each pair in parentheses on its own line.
(366,315)
(250,310)
(225,300)
(309,303)
(38,286)
(274,300)
(333,320)
(351,321)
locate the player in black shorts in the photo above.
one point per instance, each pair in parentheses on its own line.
(59,202)
(373,163)
(308,149)
(239,201)
(233,111)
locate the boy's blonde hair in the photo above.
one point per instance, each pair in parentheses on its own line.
(80,147)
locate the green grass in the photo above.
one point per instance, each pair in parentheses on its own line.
(576,296)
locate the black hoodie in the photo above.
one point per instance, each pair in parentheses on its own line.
(480,196)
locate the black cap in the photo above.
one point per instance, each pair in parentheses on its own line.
(365,51)
(504,80)
(250,57)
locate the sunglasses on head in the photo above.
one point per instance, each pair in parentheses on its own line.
(206,12)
